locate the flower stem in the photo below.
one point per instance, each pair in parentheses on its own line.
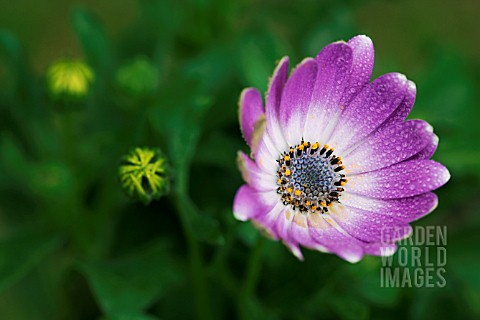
(184,206)
(253,268)
(250,280)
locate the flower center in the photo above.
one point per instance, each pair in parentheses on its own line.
(310,178)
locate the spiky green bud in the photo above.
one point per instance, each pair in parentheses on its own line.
(144,174)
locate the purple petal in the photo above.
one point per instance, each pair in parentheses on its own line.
(251,110)
(405,107)
(369,227)
(362,66)
(380,249)
(267,155)
(330,239)
(334,64)
(268,219)
(254,176)
(403,209)
(369,110)
(299,234)
(249,203)
(429,150)
(296,99)
(274,96)
(402,180)
(283,226)
(394,144)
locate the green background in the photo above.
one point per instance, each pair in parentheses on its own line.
(74,246)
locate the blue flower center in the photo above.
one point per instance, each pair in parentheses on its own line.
(310,177)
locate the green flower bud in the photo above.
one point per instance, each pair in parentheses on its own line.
(69,78)
(138,78)
(144,174)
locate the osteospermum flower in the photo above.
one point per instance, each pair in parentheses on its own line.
(336,167)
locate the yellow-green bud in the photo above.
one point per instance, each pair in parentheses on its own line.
(69,78)
(138,78)
(144,174)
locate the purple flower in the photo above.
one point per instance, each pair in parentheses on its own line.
(335,166)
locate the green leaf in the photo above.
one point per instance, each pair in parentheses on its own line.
(139,316)
(129,285)
(12,156)
(339,24)
(92,38)
(247,233)
(258,54)
(21,253)
(10,45)
(365,278)
(349,308)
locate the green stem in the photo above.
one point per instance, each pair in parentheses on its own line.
(184,208)
(250,280)
(253,268)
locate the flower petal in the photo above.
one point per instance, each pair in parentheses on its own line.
(402,111)
(334,64)
(273,99)
(394,144)
(402,180)
(369,227)
(255,177)
(362,66)
(380,249)
(249,203)
(283,227)
(330,238)
(250,112)
(403,209)
(368,110)
(296,99)
(268,220)
(267,155)
(429,150)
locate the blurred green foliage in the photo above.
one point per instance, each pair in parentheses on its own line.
(168,75)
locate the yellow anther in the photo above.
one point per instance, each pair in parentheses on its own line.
(305,144)
(315,146)
(323,203)
(286,158)
(307,203)
(314,208)
(330,204)
(326,146)
(287,172)
(279,181)
(297,192)
(289,189)
(343,182)
(301,147)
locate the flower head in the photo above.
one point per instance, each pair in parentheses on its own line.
(144,174)
(335,166)
(70,78)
